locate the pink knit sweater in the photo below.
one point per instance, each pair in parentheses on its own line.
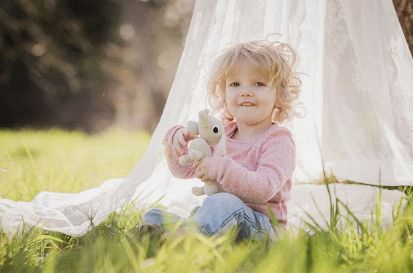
(258,170)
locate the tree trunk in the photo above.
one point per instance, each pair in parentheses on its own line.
(404,9)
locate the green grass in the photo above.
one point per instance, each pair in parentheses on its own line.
(32,161)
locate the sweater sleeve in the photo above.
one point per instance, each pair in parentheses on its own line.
(275,166)
(172,156)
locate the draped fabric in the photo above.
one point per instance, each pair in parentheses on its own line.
(357,75)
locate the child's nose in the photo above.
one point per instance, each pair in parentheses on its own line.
(246,92)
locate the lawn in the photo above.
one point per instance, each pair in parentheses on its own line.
(32,161)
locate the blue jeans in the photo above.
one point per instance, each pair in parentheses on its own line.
(219,213)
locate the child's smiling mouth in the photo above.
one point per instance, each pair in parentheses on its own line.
(246,104)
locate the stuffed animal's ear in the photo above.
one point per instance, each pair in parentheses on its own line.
(192,127)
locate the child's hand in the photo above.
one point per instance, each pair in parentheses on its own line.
(180,140)
(202,168)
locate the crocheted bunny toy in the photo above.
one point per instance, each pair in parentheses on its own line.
(210,131)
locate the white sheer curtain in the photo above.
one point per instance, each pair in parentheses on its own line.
(367,91)
(357,92)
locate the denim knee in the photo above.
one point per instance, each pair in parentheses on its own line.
(219,212)
(153,216)
(223,200)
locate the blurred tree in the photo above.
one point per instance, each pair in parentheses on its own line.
(404,9)
(51,56)
(87,64)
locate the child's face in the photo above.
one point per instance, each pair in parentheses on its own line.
(249,94)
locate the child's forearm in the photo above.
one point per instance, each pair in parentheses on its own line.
(275,168)
(250,186)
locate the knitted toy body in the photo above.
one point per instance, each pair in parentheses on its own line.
(210,131)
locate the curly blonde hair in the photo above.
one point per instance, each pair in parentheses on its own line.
(275,59)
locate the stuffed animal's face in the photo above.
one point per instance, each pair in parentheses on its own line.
(210,128)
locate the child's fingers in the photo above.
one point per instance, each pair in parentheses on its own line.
(181,140)
(188,136)
(195,164)
(178,142)
(180,137)
(179,150)
(199,174)
(177,147)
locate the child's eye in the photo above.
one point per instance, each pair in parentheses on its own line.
(234,84)
(259,84)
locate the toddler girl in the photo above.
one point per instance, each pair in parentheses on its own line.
(253,86)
